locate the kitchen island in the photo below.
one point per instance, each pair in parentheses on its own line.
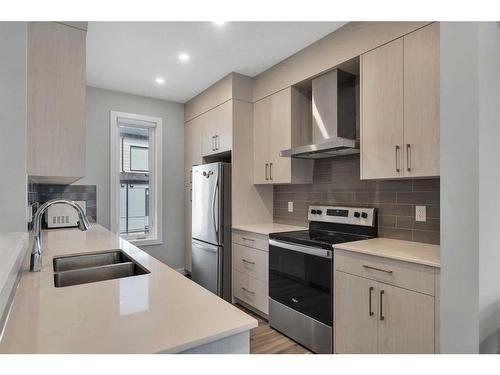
(158,312)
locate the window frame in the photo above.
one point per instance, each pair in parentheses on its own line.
(155,237)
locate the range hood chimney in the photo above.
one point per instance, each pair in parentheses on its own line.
(333,118)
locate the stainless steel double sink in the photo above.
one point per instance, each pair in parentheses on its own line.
(91,267)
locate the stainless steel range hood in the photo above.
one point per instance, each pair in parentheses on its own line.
(333,118)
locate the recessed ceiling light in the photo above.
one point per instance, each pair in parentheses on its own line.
(219,23)
(183,56)
(160,80)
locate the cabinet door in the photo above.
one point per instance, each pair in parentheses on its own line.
(223,127)
(192,147)
(405,321)
(355,319)
(217,125)
(280,169)
(382,112)
(56,87)
(421,93)
(187,228)
(206,121)
(261,125)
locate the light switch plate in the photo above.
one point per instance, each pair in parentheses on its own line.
(290,206)
(420,213)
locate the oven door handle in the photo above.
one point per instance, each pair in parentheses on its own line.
(302,249)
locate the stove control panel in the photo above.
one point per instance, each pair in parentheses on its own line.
(343,215)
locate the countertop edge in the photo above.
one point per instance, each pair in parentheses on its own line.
(408,258)
(217,337)
(258,228)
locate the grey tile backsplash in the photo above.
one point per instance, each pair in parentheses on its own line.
(336,182)
(42,193)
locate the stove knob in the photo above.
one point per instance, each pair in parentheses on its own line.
(357,214)
(313,212)
(318,212)
(364,215)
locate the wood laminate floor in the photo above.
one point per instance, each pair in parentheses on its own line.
(265,340)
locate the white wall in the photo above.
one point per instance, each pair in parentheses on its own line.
(99,104)
(489,186)
(13,126)
(459,188)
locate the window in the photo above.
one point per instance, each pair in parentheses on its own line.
(136,177)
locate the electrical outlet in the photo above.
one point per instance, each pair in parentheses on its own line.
(420,214)
(290,206)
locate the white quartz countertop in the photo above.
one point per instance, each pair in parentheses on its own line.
(408,251)
(162,311)
(268,228)
(13,249)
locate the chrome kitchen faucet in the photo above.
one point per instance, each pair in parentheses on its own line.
(36,251)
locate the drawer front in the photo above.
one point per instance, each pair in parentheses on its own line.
(250,290)
(256,241)
(408,275)
(250,261)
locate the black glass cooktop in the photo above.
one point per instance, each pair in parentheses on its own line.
(323,239)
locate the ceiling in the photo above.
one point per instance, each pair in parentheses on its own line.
(129,56)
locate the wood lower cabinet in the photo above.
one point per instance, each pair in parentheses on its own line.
(405,321)
(384,305)
(56,88)
(355,318)
(250,266)
(400,107)
(372,317)
(281,121)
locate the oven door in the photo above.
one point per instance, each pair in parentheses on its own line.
(300,277)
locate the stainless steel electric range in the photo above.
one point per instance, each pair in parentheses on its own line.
(301,272)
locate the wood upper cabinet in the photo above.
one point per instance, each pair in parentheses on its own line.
(192,147)
(278,125)
(382,111)
(217,125)
(56,86)
(400,107)
(421,121)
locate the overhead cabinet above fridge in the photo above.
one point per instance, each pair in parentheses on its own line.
(400,107)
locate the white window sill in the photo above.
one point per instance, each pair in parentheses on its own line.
(144,241)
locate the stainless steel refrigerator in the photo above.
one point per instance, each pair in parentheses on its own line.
(211,228)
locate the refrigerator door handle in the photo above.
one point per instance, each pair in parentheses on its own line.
(216,223)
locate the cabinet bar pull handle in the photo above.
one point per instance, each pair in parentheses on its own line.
(382,317)
(246,290)
(213,142)
(271,171)
(397,158)
(370,312)
(217,142)
(267,179)
(248,239)
(247,261)
(408,157)
(376,269)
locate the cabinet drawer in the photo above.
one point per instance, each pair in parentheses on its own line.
(250,290)
(256,241)
(408,275)
(250,261)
